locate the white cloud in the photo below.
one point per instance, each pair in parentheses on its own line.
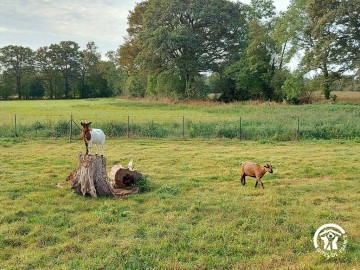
(280,5)
(36,22)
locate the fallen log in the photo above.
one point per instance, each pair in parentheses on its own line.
(121,177)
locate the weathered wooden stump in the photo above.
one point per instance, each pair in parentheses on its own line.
(122,177)
(90,176)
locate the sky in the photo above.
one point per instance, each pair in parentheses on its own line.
(38,23)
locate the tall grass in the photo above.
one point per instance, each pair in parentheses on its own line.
(252,129)
(163,120)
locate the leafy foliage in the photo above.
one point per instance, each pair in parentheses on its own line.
(57,71)
(327,32)
(293,88)
(184,38)
(17,61)
(174,47)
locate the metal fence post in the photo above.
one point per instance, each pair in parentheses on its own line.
(298,129)
(128,127)
(183,127)
(15,130)
(240,129)
(71,128)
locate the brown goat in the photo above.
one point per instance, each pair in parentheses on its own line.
(255,170)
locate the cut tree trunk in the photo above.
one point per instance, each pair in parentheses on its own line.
(90,177)
(121,177)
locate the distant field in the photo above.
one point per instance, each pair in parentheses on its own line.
(267,121)
(347,96)
(196,214)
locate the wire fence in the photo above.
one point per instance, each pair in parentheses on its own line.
(183,127)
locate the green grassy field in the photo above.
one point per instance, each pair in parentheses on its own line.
(196,214)
(267,121)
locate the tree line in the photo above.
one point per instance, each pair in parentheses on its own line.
(58,71)
(186,49)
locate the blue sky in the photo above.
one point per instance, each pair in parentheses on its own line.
(37,23)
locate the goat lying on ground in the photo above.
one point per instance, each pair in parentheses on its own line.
(255,170)
(92,135)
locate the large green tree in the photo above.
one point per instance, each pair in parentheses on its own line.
(90,77)
(16,62)
(254,71)
(65,57)
(127,53)
(327,32)
(115,75)
(47,70)
(7,86)
(185,37)
(346,28)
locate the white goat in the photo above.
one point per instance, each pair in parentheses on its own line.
(92,135)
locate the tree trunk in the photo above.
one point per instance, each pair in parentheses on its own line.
(282,55)
(121,177)
(18,86)
(327,89)
(189,80)
(67,85)
(90,177)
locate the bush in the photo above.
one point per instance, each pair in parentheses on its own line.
(293,88)
(62,129)
(135,86)
(169,85)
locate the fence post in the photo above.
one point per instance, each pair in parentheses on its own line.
(298,129)
(240,129)
(15,126)
(71,128)
(183,127)
(128,127)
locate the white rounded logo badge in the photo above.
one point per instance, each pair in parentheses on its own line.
(330,240)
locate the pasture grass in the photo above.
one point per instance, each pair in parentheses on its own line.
(195,214)
(267,121)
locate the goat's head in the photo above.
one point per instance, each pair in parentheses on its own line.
(268,168)
(85,131)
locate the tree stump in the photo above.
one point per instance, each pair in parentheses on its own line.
(90,176)
(122,177)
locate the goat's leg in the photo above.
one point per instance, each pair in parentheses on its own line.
(102,148)
(89,146)
(262,184)
(97,148)
(243,179)
(256,183)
